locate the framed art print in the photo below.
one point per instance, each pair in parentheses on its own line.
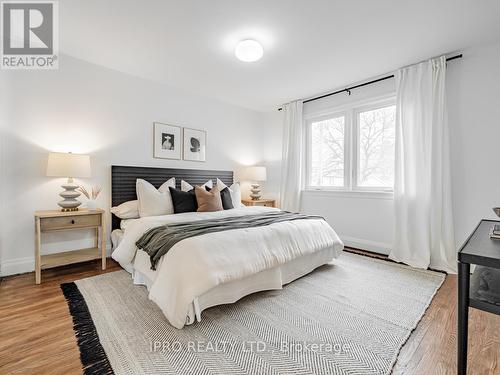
(195,144)
(167,141)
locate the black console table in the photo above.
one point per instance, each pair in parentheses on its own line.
(481,290)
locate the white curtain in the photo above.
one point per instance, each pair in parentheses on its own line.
(292,169)
(422,189)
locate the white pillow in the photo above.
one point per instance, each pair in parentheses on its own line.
(126,210)
(187,187)
(152,201)
(125,223)
(235,191)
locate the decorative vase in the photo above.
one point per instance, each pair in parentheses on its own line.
(496,210)
(91,204)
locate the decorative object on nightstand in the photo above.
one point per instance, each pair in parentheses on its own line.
(495,229)
(68,165)
(255,175)
(259,202)
(495,232)
(57,221)
(90,195)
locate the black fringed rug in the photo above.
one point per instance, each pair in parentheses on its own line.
(92,354)
(349,317)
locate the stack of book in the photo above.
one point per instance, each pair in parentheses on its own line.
(495,232)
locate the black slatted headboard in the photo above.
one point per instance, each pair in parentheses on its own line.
(123,181)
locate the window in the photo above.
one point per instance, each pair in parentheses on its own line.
(327,152)
(353,150)
(376,136)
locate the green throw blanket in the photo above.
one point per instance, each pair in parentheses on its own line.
(158,241)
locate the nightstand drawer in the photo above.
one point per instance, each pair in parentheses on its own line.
(69,222)
(265,204)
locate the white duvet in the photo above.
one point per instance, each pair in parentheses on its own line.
(195,265)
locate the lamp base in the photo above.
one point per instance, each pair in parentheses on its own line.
(69,209)
(256,195)
(69,203)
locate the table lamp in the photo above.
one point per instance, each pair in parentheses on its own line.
(68,165)
(256,174)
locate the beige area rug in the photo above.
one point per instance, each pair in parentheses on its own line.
(349,317)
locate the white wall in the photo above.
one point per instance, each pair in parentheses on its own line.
(4,107)
(86,108)
(473,90)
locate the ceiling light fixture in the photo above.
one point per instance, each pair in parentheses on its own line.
(249,50)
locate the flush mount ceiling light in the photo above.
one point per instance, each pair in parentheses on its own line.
(249,50)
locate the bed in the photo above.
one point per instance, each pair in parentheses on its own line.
(215,268)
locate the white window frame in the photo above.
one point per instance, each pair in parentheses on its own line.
(351,148)
(347,143)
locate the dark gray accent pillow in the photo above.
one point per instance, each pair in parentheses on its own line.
(183,201)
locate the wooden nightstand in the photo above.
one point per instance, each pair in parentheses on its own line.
(259,202)
(54,221)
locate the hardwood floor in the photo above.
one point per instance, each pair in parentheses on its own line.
(36,330)
(36,334)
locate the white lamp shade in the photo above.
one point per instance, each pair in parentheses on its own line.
(256,173)
(68,165)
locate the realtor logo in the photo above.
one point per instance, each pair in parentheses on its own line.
(29,35)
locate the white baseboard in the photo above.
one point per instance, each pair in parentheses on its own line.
(18,265)
(359,243)
(23,265)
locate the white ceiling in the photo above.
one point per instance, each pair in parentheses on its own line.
(309,46)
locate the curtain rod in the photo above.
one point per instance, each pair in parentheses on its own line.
(348,89)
